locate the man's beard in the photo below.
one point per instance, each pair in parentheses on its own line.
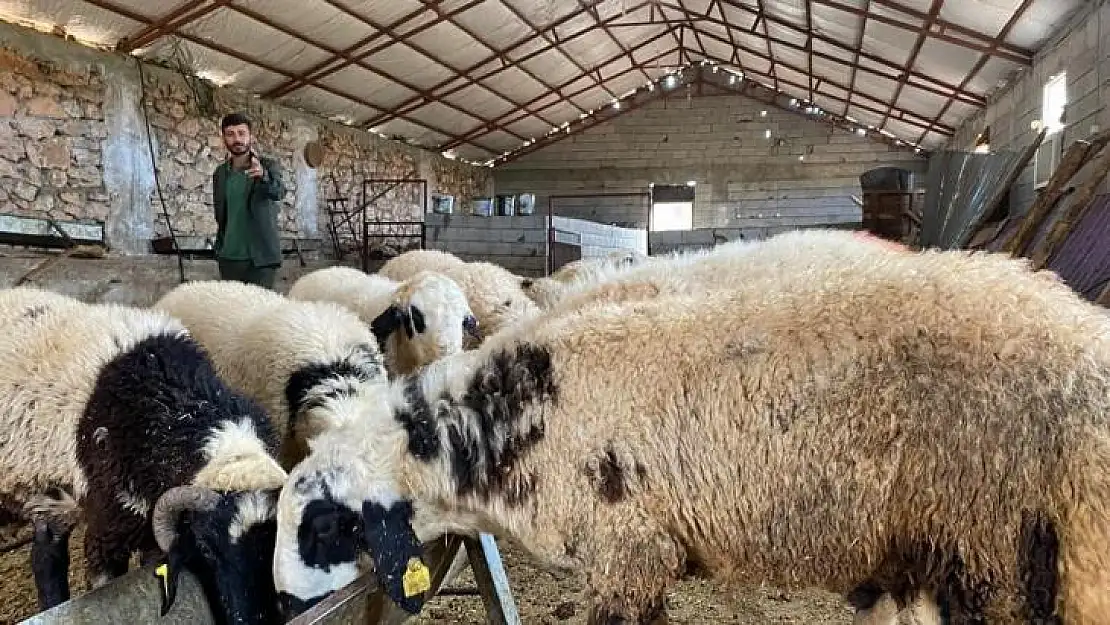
(239,149)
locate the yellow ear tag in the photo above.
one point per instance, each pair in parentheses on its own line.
(163,571)
(417,578)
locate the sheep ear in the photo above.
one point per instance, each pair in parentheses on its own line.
(397,553)
(525,283)
(417,317)
(387,323)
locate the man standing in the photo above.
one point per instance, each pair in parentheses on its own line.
(247,193)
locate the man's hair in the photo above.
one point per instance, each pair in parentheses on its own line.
(234,119)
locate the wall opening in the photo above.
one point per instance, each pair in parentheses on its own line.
(672,207)
(1054,102)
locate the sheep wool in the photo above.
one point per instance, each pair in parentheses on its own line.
(421,319)
(107,406)
(306,363)
(495,294)
(547,291)
(935,422)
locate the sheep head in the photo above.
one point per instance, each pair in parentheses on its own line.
(329,513)
(225,539)
(434,315)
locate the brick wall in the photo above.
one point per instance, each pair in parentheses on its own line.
(517,243)
(744,179)
(74,145)
(1082,48)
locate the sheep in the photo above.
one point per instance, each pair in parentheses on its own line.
(114,413)
(309,364)
(27,302)
(495,294)
(545,292)
(931,422)
(732,264)
(416,321)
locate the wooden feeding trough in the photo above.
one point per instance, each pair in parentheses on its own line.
(136,597)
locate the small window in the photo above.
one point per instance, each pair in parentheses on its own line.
(1054,103)
(672,207)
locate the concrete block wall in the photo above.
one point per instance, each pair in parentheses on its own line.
(626,211)
(599,240)
(719,141)
(1082,47)
(517,243)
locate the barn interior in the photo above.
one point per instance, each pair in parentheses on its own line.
(535,133)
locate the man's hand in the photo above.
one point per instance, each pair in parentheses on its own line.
(255,171)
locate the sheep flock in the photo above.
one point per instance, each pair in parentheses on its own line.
(923,434)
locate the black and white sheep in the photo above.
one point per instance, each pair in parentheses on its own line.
(899,423)
(495,294)
(417,321)
(114,414)
(311,365)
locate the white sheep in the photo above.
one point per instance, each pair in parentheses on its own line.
(114,412)
(421,319)
(495,294)
(547,291)
(309,364)
(935,422)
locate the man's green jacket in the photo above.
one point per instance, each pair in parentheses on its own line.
(264,205)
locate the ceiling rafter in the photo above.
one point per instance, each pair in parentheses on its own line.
(1018,55)
(923,80)
(110,6)
(262,19)
(513,117)
(761,16)
(975,69)
(593,12)
(905,116)
(911,58)
(319,72)
(184,14)
(855,59)
(416,102)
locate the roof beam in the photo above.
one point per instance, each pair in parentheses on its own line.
(182,15)
(1018,55)
(593,12)
(761,16)
(318,72)
(921,81)
(1006,28)
(110,6)
(911,58)
(908,117)
(809,45)
(416,102)
(325,47)
(513,117)
(855,60)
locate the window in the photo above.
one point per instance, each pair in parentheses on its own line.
(672,207)
(672,216)
(1055,100)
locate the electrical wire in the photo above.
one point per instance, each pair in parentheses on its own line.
(154,166)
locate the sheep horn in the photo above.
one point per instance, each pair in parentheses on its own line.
(170,506)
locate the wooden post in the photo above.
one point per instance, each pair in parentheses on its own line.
(492,581)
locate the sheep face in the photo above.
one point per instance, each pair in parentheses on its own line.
(226,540)
(431,315)
(327,516)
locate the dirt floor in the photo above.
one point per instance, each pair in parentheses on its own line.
(541,599)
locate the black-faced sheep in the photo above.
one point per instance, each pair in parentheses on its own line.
(495,294)
(417,321)
(106,409)
(934,421)
(310,364)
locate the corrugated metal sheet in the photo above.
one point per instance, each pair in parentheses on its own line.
(1083,260)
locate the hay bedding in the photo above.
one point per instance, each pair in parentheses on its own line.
(540,598)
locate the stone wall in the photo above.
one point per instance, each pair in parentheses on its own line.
(74,144)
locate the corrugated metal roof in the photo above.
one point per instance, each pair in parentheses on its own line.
(1083,260)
